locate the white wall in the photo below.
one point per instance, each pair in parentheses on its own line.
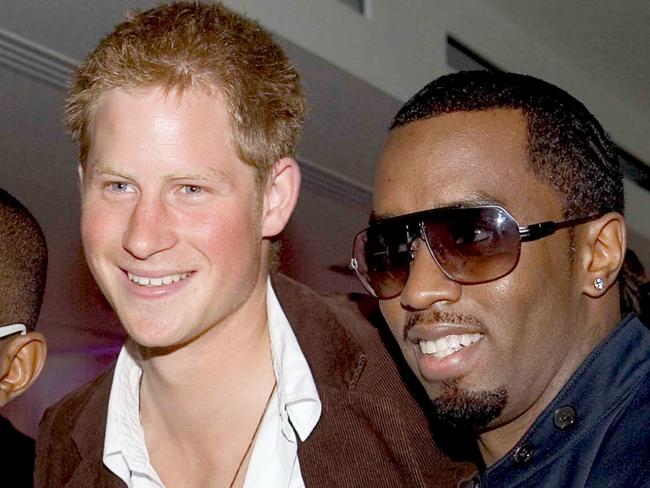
(400,45)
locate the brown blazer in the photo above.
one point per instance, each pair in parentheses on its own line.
(371,432)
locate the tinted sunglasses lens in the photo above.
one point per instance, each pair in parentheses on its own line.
(473,245)
(382,255)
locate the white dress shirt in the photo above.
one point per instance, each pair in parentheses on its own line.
(294,409)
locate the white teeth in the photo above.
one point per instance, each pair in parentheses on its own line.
(159,281)
(445,353)
(447,345)
(427,347)
(442,344)
(466,339)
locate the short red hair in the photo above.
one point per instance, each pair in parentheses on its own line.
(190,45)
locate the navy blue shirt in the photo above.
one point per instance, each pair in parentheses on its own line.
(596,432)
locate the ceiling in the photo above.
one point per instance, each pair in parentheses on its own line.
(70,27)
(608,40)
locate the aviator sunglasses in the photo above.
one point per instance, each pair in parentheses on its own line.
(470,245)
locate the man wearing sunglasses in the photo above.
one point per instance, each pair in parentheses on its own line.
(494,248)
(23,267)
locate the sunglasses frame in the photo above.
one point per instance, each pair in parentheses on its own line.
(527,233)
(11,329)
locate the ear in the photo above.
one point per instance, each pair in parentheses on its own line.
(604,251)
(23,358)
(280,196)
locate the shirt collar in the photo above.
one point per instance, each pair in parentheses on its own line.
(297,393)
(125,448)
(298,401)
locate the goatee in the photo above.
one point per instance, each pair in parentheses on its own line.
(468,410)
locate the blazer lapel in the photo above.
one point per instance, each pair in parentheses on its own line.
(334,356)
(88,437)
(91,473)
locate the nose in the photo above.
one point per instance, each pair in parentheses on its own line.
(427,283)
(150,229)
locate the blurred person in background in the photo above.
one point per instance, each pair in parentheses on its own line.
(23,269)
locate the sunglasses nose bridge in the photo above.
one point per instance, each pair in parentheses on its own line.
(427,283)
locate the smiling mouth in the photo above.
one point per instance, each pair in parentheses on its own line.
(158,281)
(447,345)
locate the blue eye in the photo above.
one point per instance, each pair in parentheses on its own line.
(191,189)
(120,187)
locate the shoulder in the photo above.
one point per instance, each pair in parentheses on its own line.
(61,416)
(357,313)
(346,341)
(624,454)
(83,410)
(339,331)
(631,423)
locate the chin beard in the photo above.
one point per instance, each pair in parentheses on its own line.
(468,410)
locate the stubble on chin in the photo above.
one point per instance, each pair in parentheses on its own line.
(468,410)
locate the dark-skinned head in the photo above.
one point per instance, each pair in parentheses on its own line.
(501,138)
(23,268)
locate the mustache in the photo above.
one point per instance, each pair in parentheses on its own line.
(444,316)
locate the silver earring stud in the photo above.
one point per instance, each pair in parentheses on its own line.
(599,283)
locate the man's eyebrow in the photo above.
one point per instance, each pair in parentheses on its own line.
(209,173)
(478,199)
(378,217)
(100,167)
